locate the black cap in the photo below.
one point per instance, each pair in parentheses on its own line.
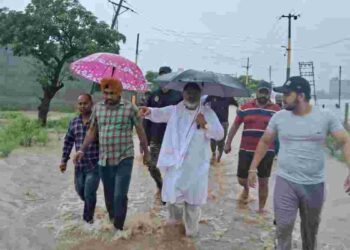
(264,85)
(164,70)
(295,83)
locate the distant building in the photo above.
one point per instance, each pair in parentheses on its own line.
(334,88)
(322,94)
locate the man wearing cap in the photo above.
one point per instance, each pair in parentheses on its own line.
(302,130)
(155,131)
(185,155)
(255,116)
(111,123)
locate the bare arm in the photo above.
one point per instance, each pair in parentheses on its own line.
(143,143)
(263,145)
(343,138)
(259,154)
(142,137)
(233,130)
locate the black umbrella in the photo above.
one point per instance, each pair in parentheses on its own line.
(214,84)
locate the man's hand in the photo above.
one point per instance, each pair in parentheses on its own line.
(227,148)
(144,111)
(347,184)
(252,179)
(201,120)
(146,158)
(63,167)
(77,157)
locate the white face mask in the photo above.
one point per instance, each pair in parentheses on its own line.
(191,105)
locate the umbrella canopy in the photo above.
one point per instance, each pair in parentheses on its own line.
(214,84)
(100,65)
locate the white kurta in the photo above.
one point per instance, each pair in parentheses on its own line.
(185,153)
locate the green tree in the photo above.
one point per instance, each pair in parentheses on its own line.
(55,32)
(252,83)
(150,76)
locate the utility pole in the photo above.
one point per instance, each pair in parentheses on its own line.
(137,47)
(270,73)
(289,48)
(339,86)
(247,72)
(117,12)
(307,71)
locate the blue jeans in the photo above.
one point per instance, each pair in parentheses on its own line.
(86,184)
(116,182)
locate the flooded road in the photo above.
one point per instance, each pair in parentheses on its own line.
(39,209)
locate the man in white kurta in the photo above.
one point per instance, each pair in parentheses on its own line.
(185,155)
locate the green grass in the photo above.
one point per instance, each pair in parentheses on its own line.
(21,131)
(18,130)
(10,114)
(59,125)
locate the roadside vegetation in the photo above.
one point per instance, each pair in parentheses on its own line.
(17,130)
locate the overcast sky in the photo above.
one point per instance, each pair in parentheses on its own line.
(220,35)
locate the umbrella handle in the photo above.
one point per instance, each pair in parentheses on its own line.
(92,88)
(113,69)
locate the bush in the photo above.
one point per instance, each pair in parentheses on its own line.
(21,131)
(334,148)
(59,125)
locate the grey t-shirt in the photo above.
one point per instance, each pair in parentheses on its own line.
(301,158)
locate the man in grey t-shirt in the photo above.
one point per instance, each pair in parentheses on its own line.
(302,130)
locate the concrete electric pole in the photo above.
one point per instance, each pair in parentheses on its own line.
(289,48)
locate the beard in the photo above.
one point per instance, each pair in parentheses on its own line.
(262,100)
(112,102)
(191,105)
(291,106)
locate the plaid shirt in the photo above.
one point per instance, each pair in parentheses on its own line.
(75,135)
(115,131)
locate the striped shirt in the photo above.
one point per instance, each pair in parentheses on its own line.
(255,120)
(75,135)
(115,131)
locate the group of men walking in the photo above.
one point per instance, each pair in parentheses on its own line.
(186,132)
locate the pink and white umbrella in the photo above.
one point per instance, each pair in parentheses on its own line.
(100,65)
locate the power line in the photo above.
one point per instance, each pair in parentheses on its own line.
(117,11)
(321,46)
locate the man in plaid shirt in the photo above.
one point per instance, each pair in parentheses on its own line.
(86,177)
(112,122)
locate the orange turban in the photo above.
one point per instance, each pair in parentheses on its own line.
(111,83)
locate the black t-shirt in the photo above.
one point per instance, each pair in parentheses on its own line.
(220,105)
(159,99)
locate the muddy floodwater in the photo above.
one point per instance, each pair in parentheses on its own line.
(39,209)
